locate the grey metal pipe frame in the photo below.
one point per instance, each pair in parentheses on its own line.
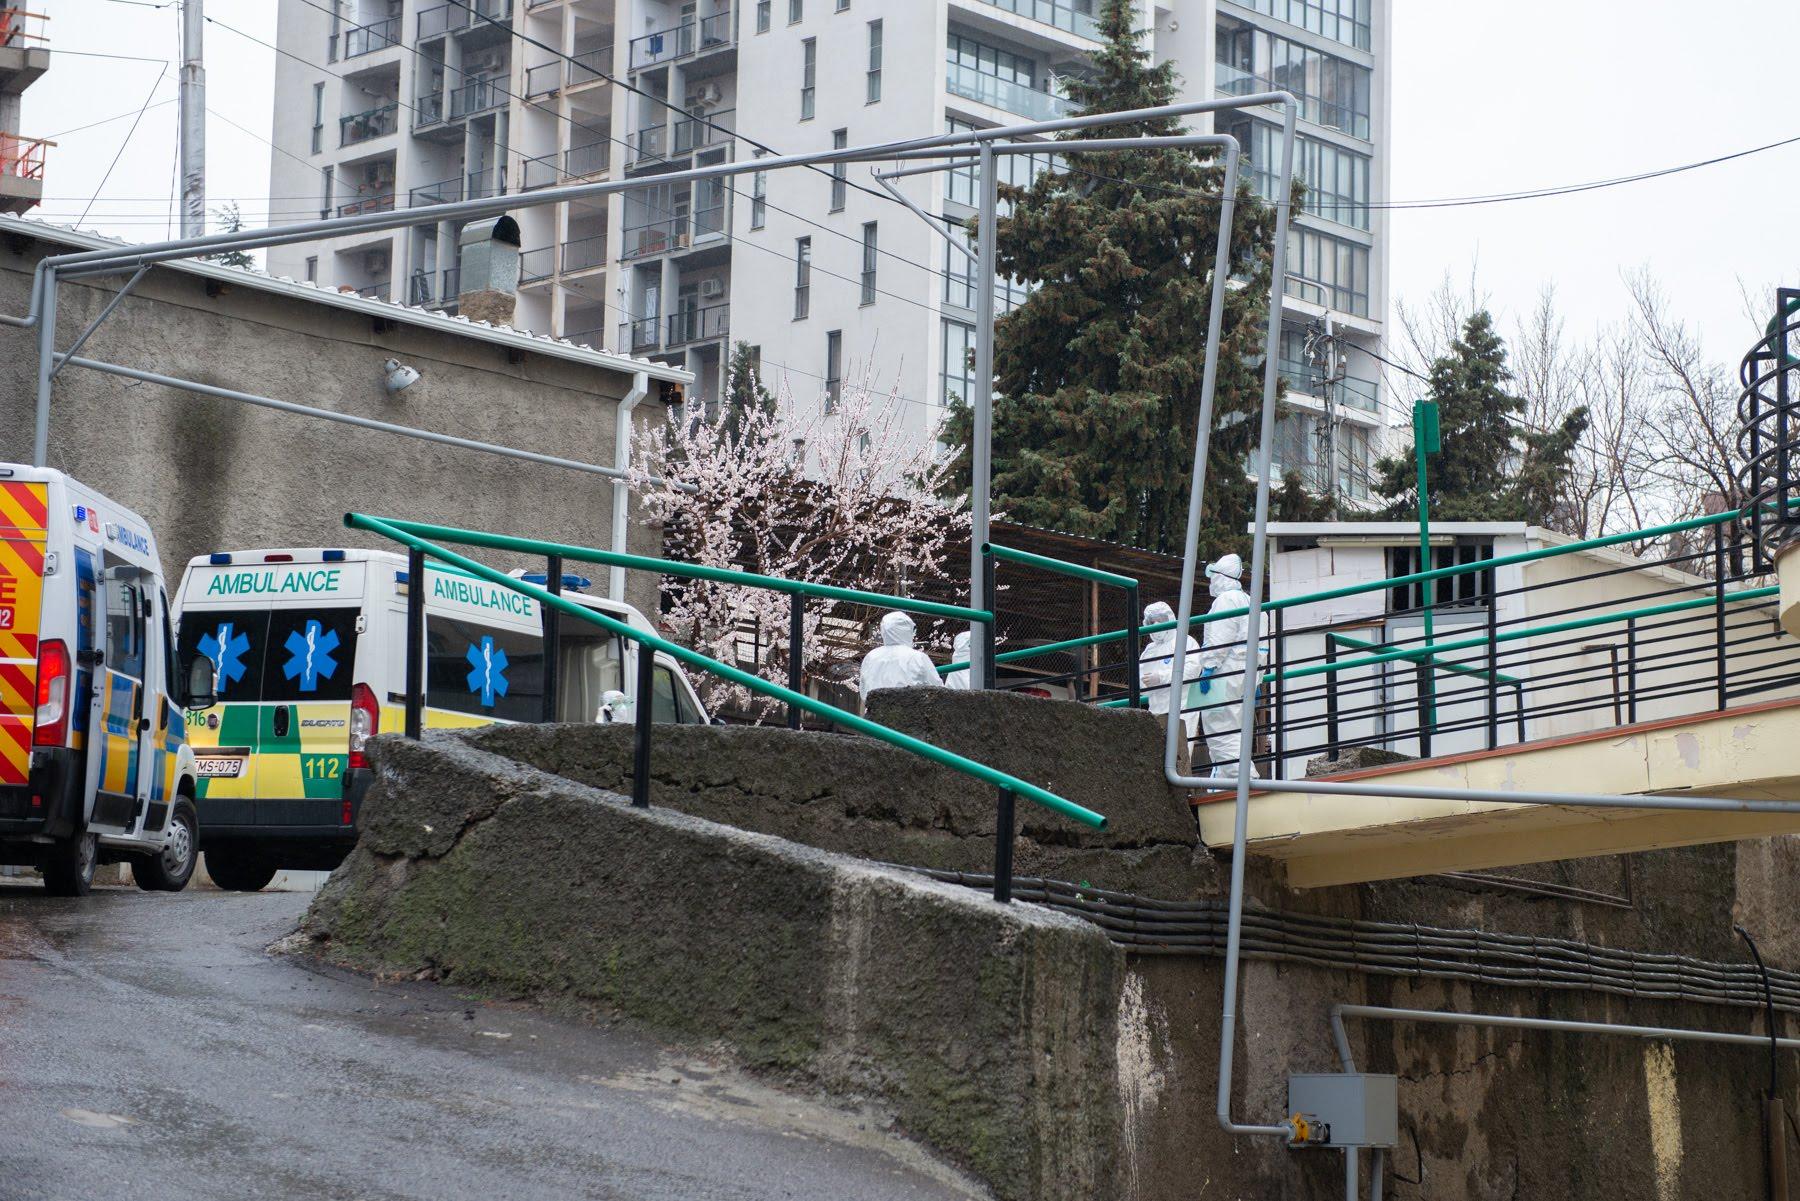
(84,335)
(386,427)
(1191,550)
(1577,800)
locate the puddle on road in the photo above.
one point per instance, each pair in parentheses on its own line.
(97,1121)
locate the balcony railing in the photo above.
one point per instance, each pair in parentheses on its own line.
(643,334)
(1076,18)
(689,37)
(440,19)
(536,265)
(375,291)
(656,238)
(366,39)
(1362,394)
(699,325)
(649,145)
(22,158)
(383,203)
(483,184)
(697,133)
(539,173)
(591,159)
(543,80)
(589,64)
(20,29)
(587,337)
(478,95)
(368,125)
(1229,80)
(444,191)
(584,254)
(428,110)
(973,84)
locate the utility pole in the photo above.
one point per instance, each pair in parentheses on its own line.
(1322,349)
(193,119)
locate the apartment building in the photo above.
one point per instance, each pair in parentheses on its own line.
(405,102)
(24,56)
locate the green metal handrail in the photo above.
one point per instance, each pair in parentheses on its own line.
(1417,577)
(1458,668)
(675,567)
(862,725)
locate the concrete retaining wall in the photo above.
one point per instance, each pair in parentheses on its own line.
(987,1033)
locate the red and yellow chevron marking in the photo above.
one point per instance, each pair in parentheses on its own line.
(23,516)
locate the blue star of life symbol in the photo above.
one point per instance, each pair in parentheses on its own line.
(487,671)
(226,648)
(310,656)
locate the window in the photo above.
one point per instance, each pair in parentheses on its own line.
(1332,91)
(957,372)
(1336,179)
(493,671)
(762,15)
(1345,21)
(959,281)
(1019,170)
(874,88)
(843,6)
(1470,588)
(759,197)
(868,264)
(809,74)
(318,138)
(1329,271)
(312,270)
(802,277)
(325,202)
(796,11)
(124,625)
(669,703)
(834,370)
(840,171)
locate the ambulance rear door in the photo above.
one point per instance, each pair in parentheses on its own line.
(24,522)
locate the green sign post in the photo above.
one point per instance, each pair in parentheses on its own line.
(1426,441)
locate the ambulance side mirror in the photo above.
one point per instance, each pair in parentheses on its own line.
(200,684)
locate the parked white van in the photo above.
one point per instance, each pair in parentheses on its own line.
(308,647)
(95,765)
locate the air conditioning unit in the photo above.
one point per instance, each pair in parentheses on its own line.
(706,95)
(493,61)
(712,289)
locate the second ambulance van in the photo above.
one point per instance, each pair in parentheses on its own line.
(308,647)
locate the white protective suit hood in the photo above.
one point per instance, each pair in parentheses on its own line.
(1227,575)
(959,653)
(896,663)
(1156,613)
(1157,665)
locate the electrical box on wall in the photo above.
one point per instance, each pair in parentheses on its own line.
(1344,1109)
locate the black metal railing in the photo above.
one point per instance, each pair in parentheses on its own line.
(591,159)
(382,202)
(688,38)
(536,265)
(698,132)
(478,96)
(589,64)
(699,324)
(483,184)
(368,124)
(366,39)
(1769,431)
(444,191)
(584,254)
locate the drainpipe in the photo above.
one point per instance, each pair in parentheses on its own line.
(621,496)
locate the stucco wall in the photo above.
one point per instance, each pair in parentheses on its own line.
(214,474)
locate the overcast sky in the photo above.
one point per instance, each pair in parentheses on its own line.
(1636,87)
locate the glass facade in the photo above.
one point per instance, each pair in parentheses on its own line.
(1333,92)
(963,184)
(1328,271)
(956,376)
(959,282)
(1300,447)
(1345,21)
(1336,179)
(1001,78)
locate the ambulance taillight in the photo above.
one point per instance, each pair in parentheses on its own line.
(365,723)
(54,686)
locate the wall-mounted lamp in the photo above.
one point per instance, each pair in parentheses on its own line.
(399,376)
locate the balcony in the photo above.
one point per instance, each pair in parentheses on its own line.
(536,265)
(587,337)
(444,191)
(366,39)
(483,184)
(21,30)
(368,125)
(477,96)
(543,80)
(657,237)
(437,290)
(589,64)
(592,159)
(649,145)
(1075,18)
(539,173)
(1349,392)
(441,19)
(583,254)
(21,172)
(382,203)
(429,110)
(699,325)
(643,334)
(698,133)
(374,291)
(972,84)
(687,38)
(24,51)
(1229,80)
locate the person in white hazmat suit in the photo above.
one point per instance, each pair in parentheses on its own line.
(1156,664)
(1222,659)
(896,663)
(959,653)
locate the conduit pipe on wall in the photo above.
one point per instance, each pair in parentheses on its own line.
(621,489)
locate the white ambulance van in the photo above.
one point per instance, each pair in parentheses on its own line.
(95,765)
(308,648)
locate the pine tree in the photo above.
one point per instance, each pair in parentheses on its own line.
(744,391)
(1490,469)
(1098,371)
(227,215)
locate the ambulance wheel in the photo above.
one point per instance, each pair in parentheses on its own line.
(174,867)
(69,869)
(239,871)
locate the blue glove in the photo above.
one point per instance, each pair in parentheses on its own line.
(1205,681)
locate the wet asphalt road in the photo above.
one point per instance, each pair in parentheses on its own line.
(150,1048)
